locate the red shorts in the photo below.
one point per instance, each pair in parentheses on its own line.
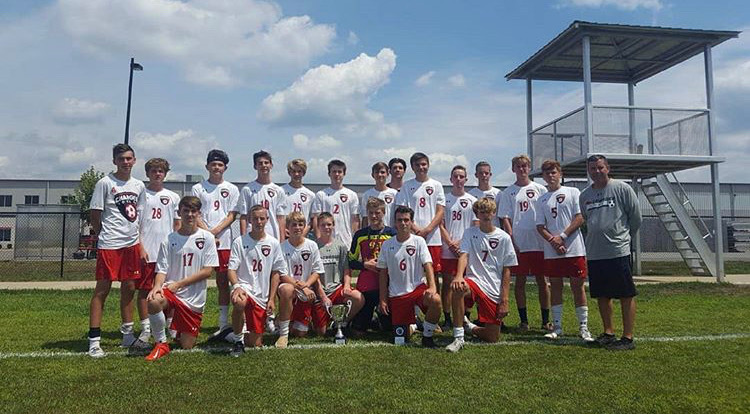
(487,308)
(148,273)
(436,252)
(566,267)
(184,320)
(255,317)
(119,264)
(450,267)
(529,263)
(306,312)
(223,261)
(402,307)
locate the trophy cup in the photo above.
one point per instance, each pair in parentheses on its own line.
(338,314)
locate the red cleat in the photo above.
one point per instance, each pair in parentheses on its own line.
(161,349)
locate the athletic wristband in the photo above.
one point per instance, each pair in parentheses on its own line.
(563,236)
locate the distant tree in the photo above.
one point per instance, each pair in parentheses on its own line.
(84,191)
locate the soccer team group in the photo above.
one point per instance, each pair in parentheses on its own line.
(416,250)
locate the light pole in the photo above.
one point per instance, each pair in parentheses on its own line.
(133,66)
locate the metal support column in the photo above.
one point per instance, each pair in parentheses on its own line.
(636,242)
(588,112)
(529,122)
(631,118)
(716,188)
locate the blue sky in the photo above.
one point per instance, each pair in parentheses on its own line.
(361,81)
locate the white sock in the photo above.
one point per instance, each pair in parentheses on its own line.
(145,330)
(458,333)
(557,315)
(95,342)
(429,329)
(223,316)
(127,333)
(158,322)
(469,324)
(582,312)
(284,328)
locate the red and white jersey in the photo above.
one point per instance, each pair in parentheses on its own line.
(217,200)
(156,219)
(183,256)
(519,205)
(493,194)
(254,260)
(388,196)
(270,196)
(556,210)
(488,254)
(302,260)
(343,204)
(119,201)
(423,198)
(299,199)
(405,263)
(458,217)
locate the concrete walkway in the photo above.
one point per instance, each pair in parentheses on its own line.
(89,284)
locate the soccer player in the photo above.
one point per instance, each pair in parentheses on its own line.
(483,172)
(340,201)
(219,207)
(459,216)
(517,210)
(486,255)
(381,191)
(397,167)
(303,261)
(264,192)
(558,221)
(114,218)
(363,256)
(186,259)
(255,268)
(158,217)
(298,197)
(610,208)
(407,280)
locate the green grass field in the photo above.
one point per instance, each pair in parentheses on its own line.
(693,355)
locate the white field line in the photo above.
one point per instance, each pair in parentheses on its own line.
(542,342)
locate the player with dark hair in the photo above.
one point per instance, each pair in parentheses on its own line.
(262,191)
(483,172)
(397,169)
(382,192)
(340,201)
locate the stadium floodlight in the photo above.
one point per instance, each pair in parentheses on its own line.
(138,67)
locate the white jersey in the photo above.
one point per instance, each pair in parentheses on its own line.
(299,199)
(488,254)
(405,263)
(423,198)
(302,260)
(493,194)
(556,210)
(519,205)
(217,200)
(254,260)
(156,219)
(388,196)
(271,197)
(458,217)
(183,256)
(343,204)
(119,202)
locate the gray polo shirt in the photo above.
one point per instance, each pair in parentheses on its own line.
(612,214)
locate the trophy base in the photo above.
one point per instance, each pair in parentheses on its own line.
(399,340)
(340,341)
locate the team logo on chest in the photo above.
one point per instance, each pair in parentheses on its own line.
(200,242)
(271,193)
(306,255)
(164,200)
(560,198)
(224,192)
(411,250)
(388,199)
(343,197)
(429,190)
(266,250)
(126,203)
(530,193)
(303,197)
(494,243)
(463,202)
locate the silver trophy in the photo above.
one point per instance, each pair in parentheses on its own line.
(339,313)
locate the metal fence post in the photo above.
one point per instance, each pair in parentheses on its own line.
(62,246)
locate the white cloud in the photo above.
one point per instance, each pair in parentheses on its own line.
(323,142)
(629,5)
(185,150)
(353,39)
(425,79)
(457,81)
(4,161)
(86,155)
(216,43)
(75,111)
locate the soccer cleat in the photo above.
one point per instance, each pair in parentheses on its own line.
(220,335)
(456,345)
(160,350)
(556,333)
(428,342)
(523,327)
(622,344)
(604,339)
(96,352)
(548,327)
(586,335)
(282,342)
(173,334)
(446,326)
(504,328)
(139,348)
(127,341)
(232,338)
(271,325)
(237,349)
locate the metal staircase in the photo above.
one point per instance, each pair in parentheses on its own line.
(688,238)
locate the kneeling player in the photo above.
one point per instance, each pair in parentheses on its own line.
(407,279)
(255,268)
(486,255)
(186,259)
(558,221)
